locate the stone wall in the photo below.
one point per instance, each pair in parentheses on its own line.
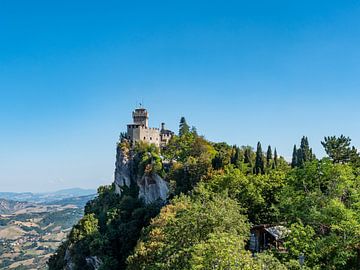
(140,133)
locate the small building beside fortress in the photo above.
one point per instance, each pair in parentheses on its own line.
(139,130)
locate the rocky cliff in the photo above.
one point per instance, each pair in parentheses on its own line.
(123,167)
(151,186)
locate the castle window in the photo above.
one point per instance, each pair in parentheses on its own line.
(144,138)
(150,138)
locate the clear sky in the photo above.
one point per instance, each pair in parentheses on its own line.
(71,72)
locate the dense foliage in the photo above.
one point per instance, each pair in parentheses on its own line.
(217,192)
(178,233)
(109,230)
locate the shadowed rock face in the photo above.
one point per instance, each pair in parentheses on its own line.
(122,169)
(93,262)
(151,187)
(69,265)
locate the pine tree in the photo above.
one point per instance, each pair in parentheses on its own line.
(294,161)
(184,128)
(268,156)
(339,149)
(259,160)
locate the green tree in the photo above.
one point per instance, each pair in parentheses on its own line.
(269,157)
(88,225)
(258,193)
(147,159)
(247,156)
(179,149)
(304,153)
(192,158)
(222,250)
(236,156)
(294,161)
(184,128)
(326,197)
(338,148)
(259,160)
(275,164)
(223,155)
(183,234)
(185,176)
(109,230)
(301,240)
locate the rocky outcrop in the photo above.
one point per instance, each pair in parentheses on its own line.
(93,262)
(69,265)
(122,168)
(151,187)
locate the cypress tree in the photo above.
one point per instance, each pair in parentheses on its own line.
(235,159)
(247,156)
(300,158)
(268,156)
(275,164)
(259,160)
(304,153)
(184,128)
(294,161)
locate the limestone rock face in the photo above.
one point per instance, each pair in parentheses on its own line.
(69,265)
(151,187)
(122,169)
(93,262)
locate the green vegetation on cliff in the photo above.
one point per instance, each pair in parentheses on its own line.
(217,192)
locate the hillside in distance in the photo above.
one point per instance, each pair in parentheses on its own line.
(30,231)
(47,197)
(10,206)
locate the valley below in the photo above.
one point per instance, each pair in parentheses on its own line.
(31,231)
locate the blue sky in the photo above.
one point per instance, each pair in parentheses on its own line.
(71,72)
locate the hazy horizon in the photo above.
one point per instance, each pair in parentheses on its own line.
(49,191)
(240,71)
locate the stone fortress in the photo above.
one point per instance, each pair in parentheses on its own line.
(151,187)
(139,130)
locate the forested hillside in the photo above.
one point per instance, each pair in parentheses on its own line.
(218,192)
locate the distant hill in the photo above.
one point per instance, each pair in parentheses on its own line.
(77,201)
(75,192)
(10,206)
(47,197)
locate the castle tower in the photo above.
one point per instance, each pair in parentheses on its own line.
(141,117)
(139,130)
